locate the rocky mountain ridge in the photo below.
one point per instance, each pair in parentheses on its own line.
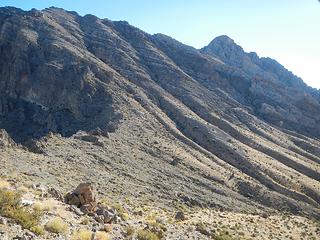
(89,98)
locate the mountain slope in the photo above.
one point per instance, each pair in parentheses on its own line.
(215,127)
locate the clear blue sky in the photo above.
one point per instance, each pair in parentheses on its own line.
(287,30)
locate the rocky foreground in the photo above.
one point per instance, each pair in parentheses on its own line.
(78,215)
(226,137)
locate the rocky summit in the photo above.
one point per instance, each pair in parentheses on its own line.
(151,123)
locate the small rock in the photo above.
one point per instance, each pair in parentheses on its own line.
(203,231)
(139,213)
(3,221)
(99,219)
(55,194)
(29,234)
(76,210)
(175,162)
(107,227)
(25,202)
(86,209)
(108,217)
(180,216)
(99,143)
(3,236)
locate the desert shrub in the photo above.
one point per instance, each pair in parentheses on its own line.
(157,228)
(146,235)
(25,217)
(223,235)
(38,230)
(4,184)
(102,236)
(82,235)
(9,200)
(129,231)
(85,221)
(10,206)
(56,225)
(121,211)
(22,189)
(45,206)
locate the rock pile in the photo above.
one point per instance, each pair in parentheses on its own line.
(83,197)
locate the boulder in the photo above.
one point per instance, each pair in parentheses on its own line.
(82,197)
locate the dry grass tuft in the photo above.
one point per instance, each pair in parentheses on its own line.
(38,230)
(102,236)
(4,184)
(146,235)
(82,234)
(57,225)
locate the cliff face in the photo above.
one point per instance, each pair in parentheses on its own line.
(243,127)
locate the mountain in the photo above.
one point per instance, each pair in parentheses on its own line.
(148,118)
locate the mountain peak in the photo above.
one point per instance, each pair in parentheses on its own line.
(225,49)
(223,39)
(225,42)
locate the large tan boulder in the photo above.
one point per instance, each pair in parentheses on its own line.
(83,197)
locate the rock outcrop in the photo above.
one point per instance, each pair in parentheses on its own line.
(5,139)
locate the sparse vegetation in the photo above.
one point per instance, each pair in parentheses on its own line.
(82,234)
(85,221)
(223,235)
(22,189)
(157,228)
(146,235)
(200,227)
(129,231)
(102,236)
(10,206)
(45,207)
(56,225)
(121,211)
(4,184)
(38,230)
